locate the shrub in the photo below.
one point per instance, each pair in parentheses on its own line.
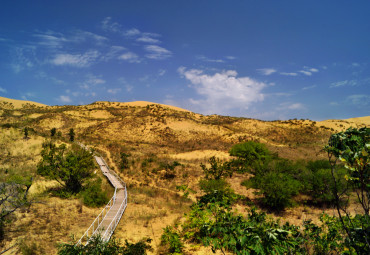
(171,238)
(211,185)
(249,155)
(217,170)
(277,189)
(93,195)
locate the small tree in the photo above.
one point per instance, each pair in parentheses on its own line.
(352,147)
(52,132)
(217,170)
(13,195)
(71,135)
(25,133)
(69,167)
(249,155)
(124,160)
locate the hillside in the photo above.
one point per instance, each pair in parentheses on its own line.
(154,136)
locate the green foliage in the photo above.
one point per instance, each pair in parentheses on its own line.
(96,246)
(93,195)
(169,169)
(217,170)
(277,189)
(352,147)
(124,164)
(249,155)
(216,226)
(69,167)
(171,238)
(53,132)
(71,135)
(185,188)
(209,186)
(325,239)
(25,132)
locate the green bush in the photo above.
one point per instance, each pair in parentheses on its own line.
(112,247)
(172,239)
(93,195)
(277,189)
(211,185)
(249,155)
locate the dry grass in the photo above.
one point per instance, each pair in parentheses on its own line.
(152,134)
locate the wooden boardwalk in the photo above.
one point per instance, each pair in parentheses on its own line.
(108,219)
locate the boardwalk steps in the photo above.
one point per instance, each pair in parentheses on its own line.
(108,219)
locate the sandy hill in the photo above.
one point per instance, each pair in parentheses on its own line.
(155,136)
(17,103)
(148,127)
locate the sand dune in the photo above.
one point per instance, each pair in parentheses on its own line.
(19,103)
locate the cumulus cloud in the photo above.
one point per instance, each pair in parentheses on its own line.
(157,52)
(130,57)
(266,71)
(222,91)
(76,60)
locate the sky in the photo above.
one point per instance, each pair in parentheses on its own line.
(262,59)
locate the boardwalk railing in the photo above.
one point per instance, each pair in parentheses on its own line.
(97,222)
(108,219)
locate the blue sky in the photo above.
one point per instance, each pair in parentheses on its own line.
(260,59)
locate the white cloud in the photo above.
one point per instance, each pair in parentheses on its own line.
(230,57)
(309,87)
(266,71)
(359,100)
(132,32)
(108,25)
(290,106)
(162,72)
(2,90)
(129,88)
(308,73)
(157,52)
(64,99)
(344,83)
(289,74)
(91,80)
(148,38)
(222,91)
(204,58)
(76,60)
(114,91)
(113,52)
(313,70)
(295,106)
(51,39)
(130,57)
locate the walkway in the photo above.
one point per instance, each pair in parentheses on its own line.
(108,219)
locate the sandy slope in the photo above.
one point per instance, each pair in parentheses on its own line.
(19,103)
